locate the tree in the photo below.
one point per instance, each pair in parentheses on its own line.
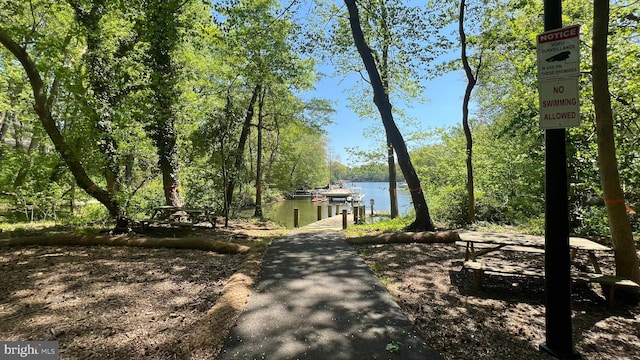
(238,155)
(384,66)
(42,106)
(260,127)
(381,100)
(256,45)
(471,83)
(162,32)
(621,232)
(100,71)
(401,45)
(297,165)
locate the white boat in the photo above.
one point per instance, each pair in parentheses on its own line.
(301,194)
(346,194)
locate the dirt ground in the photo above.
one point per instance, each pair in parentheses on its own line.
(505,319)
(104,302)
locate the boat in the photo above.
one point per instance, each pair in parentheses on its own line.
(339,191)
(319,198)
(301,194)
(351,194)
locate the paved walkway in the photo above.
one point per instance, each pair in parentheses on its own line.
(316,299)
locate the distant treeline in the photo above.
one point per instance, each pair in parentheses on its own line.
(371,173)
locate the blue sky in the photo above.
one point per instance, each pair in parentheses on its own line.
(443,105)
(442,108)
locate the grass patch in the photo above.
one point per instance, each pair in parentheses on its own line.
(383,225)
(378,268)
(46,228)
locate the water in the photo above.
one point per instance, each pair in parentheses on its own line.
(282,212)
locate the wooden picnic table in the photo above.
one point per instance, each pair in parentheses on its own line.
(525,243)
(478,244)
(176,215)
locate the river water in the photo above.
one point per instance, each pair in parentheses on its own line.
(282,212)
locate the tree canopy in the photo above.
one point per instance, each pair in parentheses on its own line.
(138,104)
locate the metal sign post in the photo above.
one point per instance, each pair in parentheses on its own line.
(559,342)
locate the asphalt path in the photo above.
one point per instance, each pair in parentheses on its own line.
(317,299)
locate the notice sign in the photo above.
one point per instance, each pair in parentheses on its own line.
(559,53)
(559,103)
(558,74)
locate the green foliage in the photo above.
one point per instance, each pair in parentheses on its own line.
(89,213)
(590,221)
(450,207)
(393,347)
(208,58)
(508,183)
(299,164)
(370,172)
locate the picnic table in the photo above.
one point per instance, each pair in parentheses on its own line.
(479,244)
(180,216)
(526,243)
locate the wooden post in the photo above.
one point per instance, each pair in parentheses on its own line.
(329,211)
(296,217)
(337,209)
(356,210)
(344,219)
(363,212)
(319,212)
(371,202)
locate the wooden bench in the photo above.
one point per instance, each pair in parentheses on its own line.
(179,217)
(483,249)
(481,268)
(179,224)
(608,282)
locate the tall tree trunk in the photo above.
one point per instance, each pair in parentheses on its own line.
(471,83)
(129,163)
(291,173)
(225,180)
(621,234)
(162,33)
(18,134)
(228,113)
(381,100)
(25,168)
(258,210)
(242,142)
(386,40)
(5,125)
(393,181)
(100,73)
(43,110)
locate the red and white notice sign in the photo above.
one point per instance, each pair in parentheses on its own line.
(558,73)
(559,53)
(559,103)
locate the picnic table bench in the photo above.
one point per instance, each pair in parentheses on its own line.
(180,216)
(478,244)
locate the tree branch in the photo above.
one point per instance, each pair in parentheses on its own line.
(43,110)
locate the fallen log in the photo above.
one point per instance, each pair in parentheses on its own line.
(427,237)
(124,240)
(210,332)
